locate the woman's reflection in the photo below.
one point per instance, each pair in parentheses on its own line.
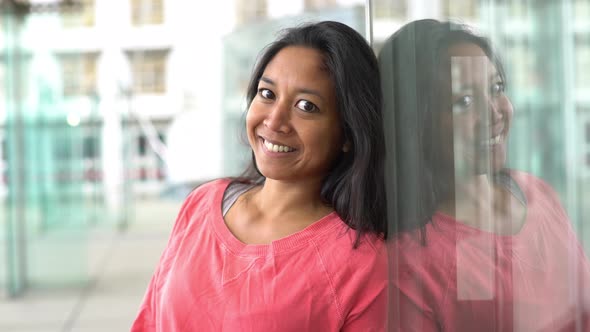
(480,247)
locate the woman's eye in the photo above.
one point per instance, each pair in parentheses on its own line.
(307,106)
(266,93)
(463,102)
(497,88)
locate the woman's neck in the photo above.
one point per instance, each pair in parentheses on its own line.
(473,193)
(277,198)
(481,203)
(274,210)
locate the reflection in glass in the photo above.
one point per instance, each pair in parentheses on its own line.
(480,246)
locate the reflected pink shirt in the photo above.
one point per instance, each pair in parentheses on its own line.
(313,280)
(466,279)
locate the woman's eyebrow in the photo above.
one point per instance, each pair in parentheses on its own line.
(495,75)
(267,80)
(300,90)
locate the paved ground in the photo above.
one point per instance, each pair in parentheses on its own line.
(119,266)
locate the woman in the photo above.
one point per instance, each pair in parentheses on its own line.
(478,247)
(294,245)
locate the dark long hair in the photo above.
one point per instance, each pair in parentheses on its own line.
(354,187)
(418,178)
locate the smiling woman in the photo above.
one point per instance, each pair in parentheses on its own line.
(288,115)
(296,243)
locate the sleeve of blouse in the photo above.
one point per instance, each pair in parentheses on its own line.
(415,287)
(370,317)
(146,318)
(368,290)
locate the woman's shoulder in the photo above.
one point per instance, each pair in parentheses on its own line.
(354,270)
(201,198)
(209,189)
(425,251)
(340,254)
(528,182)
(536,190)
(339,237)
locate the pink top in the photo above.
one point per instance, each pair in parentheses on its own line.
(466,279)
(313,280)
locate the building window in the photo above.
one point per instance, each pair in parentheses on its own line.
(250,11)
(161,171)
(78,73)
(62,147)
(145,12)
(460,8)
(581,9)
(311,5)
(4,150)
(90,147)
(582,63)
(141,145)
(81,15)
(391,8)
(518,9)
(2,75)
(148,69)
(522,65)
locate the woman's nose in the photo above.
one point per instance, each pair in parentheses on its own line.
(278,118)
(495,109)
(491,109)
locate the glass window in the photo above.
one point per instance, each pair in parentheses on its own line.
(141,145)
(518,8)
(147,12)
(390,8)
(582,64)
(457,124)
(81,14)
(250,11)
(148,70)
(90,147)
(78,73)
(581,10)
(4,147)
(313,5)
(466,9)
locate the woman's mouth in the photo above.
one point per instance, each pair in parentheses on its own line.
(271,147)
(493,141)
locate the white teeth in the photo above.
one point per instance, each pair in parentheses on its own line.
(277,148)
(493,140)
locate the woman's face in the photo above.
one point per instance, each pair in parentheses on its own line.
(480,116)
(292,124)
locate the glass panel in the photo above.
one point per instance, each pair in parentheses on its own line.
(51,152)
(488,222)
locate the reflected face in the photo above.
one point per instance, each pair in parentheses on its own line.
(480,115)
(292,124)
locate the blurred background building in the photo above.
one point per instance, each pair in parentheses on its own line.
(111,111)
